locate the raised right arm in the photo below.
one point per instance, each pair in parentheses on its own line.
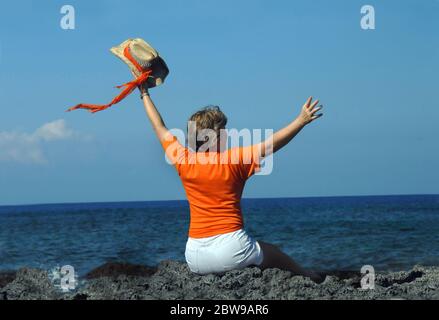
(283,136)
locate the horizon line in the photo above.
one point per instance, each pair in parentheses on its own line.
(246,198)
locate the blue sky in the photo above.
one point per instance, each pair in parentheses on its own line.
(258,60)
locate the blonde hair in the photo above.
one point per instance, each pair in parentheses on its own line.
(210,117)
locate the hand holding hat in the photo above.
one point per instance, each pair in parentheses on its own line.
(143,88)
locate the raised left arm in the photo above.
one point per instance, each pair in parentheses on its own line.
(154,116)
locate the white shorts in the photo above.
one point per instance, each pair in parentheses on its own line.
(224,252)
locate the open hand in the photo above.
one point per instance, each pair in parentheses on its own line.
(309,111)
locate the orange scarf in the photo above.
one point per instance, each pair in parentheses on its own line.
(129,87)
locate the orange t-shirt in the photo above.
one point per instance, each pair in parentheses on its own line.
(213,182)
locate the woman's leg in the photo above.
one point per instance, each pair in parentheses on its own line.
(275,258)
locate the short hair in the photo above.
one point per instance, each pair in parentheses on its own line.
(210,117)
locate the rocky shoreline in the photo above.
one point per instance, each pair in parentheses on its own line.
(172,280)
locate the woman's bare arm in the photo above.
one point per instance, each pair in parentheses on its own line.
(153,114)
(155,118)
(283,136)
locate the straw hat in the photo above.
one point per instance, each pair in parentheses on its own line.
(140,56)
(146,64)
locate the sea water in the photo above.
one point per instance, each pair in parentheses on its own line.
(387,232)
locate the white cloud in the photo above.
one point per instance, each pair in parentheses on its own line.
(56,130)
(27,147)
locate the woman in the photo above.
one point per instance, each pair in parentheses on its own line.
(217,240)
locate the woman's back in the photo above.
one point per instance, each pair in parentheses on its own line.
(213,182)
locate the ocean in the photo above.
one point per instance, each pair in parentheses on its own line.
(327,233)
